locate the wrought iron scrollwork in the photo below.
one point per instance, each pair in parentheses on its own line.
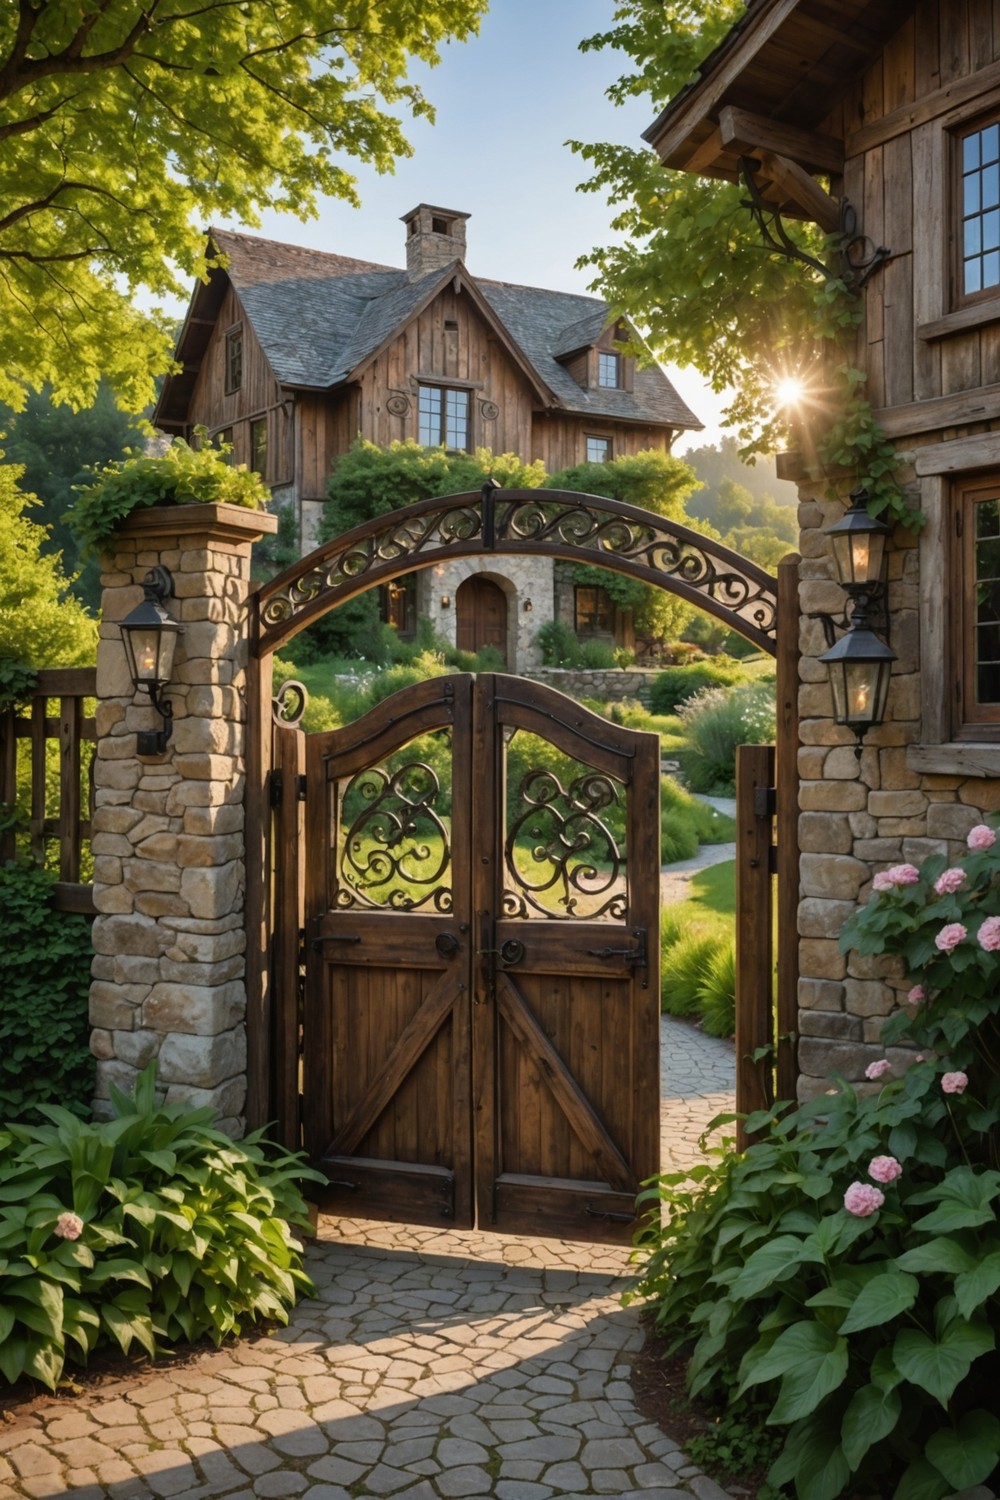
(579,528)
(561,857)
(289,703)
(395,851)
(859,256)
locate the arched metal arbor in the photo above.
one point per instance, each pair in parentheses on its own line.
(577,528)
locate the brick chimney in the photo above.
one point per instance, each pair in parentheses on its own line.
(434,238)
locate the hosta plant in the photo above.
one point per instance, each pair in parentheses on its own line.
(150,1229)
(846,1268)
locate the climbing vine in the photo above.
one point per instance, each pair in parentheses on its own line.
(690,270)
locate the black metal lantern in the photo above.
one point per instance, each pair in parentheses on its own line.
(858,542)
(149,636)
(860,666)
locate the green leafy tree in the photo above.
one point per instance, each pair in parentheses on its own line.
(56,447)
(125,125)
(657,482)
(41,623)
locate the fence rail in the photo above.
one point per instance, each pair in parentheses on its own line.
(46,756)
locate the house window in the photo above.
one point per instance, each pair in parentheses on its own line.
(593,611)
(224,437)
(443,417)
(980,210)
(598,450)
(609,370)
(234,360)
(258,446)
(978,598)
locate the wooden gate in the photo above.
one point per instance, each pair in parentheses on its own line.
(481,1021)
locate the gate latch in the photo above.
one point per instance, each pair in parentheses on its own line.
(635,957)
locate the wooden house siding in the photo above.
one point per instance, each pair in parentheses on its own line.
(560,442)
(940,70)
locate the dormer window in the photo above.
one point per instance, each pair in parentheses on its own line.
(609,370)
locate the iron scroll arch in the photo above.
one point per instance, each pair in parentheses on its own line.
(549,523)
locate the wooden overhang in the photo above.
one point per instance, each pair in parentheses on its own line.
(766,93)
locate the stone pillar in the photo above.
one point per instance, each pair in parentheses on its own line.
(169,872)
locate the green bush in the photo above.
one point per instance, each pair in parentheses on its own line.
(558,645)
(684,969)
(845,1270)
(685,823)
(678,684)
(597,656)
(45,959)
(152,1229)
(716,996)
(715,722)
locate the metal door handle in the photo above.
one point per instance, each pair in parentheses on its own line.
(334,937)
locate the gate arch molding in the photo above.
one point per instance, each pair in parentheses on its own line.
(548,523)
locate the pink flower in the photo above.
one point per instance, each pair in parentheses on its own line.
(69,1226)
(989,935)
(887,880)
(949,881)
(884,1168)
(949,937)
(917,995)
(878,1069)
(954,1083)
(861,1199)
(981,837)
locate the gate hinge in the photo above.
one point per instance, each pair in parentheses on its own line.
(300,787)
(274,793)
(765,801)
(772,860)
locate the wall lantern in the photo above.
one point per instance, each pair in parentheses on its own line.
(446,601)
(149,636)
(860,662)
(528,606)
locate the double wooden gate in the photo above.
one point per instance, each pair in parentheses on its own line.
(480,1021)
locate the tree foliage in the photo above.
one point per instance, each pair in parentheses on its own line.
(41,623)
(56,447)
(124,126)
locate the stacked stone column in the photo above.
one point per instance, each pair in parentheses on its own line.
(168,844)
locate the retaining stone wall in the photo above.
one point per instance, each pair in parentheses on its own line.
(611,684)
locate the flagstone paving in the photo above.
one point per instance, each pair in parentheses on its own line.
(432,1364)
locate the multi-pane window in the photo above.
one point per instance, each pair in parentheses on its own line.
(443,417)
(979,522)
(258,446)
(598,450)
(593,611)
(609,369)
(234,360)
(980,210)
(224,438)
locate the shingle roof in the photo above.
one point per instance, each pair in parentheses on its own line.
(318,316)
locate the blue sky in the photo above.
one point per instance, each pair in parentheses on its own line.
(506,102)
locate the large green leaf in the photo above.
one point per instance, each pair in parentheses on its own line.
(884,1298)
(871,1416)
(939,1254)
(922,1482)
(968,1454)
(813,1458)
(975,1286)
(938,1367)
(773,1262)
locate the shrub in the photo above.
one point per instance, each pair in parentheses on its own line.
(558,645)
(678,684)
(715,722)
(716,995)
(151,1229)
(846,1269)
(685,967)
(597,656)
(45,959)
(685,823)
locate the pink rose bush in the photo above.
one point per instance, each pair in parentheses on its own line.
(917,995)
(884,1169)
(878,1069)
(988,936)
(949,881)
(862,1200)
(887,880)
(954,1083)
(981,838)
(949,937)
(69,1226)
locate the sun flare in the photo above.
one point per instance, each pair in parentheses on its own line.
(789,390)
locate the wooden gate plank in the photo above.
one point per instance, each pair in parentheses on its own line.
(409,1047)
(786,771)
(754,945)
(573,1102)
(289,877)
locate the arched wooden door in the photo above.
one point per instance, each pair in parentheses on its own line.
(481,1026)
(481,616)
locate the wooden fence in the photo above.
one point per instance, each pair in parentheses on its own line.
(46,754)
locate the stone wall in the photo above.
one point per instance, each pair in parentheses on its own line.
(169,939)
(609,684)
(858,816)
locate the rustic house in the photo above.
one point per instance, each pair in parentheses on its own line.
(291,354)
(886,114)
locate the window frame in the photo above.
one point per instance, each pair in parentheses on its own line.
(614,363)
(259,425)
(596,437)
(973,720)
(444,391)
(959,133)
(603,609)
(233,360)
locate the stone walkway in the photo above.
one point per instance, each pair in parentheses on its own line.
(432,1364)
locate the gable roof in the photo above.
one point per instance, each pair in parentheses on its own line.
(321,317)
(784,61)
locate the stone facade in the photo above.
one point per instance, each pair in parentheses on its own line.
(169,938)
(524,581)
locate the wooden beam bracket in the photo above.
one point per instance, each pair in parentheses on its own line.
(774,183)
